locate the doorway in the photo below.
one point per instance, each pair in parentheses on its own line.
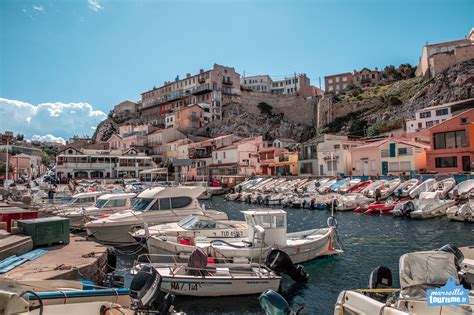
(466,163)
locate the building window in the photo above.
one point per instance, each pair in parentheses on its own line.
(429,124)
(337,146)
(357,165)
(330,81)
(450,140)
(393,167)
(332,166)
(344,79)
(425,115)
(441,112)
(464,120)
(449,161)
(373,165)
(402,151)
(420,125)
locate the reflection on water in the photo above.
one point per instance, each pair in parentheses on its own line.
(368,241)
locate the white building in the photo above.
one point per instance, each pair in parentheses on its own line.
(334,155)
(257,83)
(431,116)
(283,142)
(73,163)
(298,83)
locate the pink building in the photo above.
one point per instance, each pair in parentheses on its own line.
(452,144)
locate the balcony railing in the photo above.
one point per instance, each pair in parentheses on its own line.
(227,81)
(201,79)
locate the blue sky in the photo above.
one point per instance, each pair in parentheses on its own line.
(102,52)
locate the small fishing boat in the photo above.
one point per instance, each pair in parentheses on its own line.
(193,226)
(379,208)
(352,201)
(426,186)
(406,187)
(77,202)
(198,277)
(422,208)
(153,206)
(441,190)
(370,189)
(462,190)
(348,185)
(360,187)
(419,273)
(464,212)
(334,187)
(267,229)
(325,187)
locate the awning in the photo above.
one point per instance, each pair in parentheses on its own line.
(161,170)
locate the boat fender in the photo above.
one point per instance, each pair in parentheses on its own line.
(332,221)
(279,261)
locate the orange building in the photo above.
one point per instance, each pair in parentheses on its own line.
(190,117)
(452,144)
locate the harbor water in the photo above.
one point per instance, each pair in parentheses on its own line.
(367,241)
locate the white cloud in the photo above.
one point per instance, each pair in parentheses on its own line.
(62,120)
(48,138)
(39,8)
(94,5)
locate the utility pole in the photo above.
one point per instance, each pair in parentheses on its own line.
(7,167)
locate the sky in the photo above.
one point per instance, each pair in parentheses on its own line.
(64,64)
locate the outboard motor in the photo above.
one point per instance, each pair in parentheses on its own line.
(279,261)
(458,255)
(274,304)
(407,208)
(380,278)
(145,292)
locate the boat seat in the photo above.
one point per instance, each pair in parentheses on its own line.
(222,272)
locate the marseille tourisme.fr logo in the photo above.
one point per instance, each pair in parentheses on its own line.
(449,294)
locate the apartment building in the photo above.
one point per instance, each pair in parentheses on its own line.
(434,115)
(189,117)
(75,163)
(158,139)
(452,144)
(364,78)
(257,83)
(298,84)
(308,158)
(215,87)
(334,155)
(125,108)
(239,158)
(437,57)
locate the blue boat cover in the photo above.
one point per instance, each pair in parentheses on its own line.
(14,261)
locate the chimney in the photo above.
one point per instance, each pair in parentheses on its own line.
(201,71)
(376,69)
(177,78)
(188,75)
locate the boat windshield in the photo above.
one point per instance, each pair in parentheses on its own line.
(194,223)
(141,204)
(100,203)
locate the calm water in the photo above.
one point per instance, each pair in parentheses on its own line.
(368,241)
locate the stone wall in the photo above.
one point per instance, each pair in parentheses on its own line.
(341,109)
(442,61)
(296,109)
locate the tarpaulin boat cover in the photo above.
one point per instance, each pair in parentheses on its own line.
(425,270)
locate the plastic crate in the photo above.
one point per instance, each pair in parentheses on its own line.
(46,231)
(9,215)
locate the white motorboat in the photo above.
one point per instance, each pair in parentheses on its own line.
(193,226)
(389,188)
(462,190)
(426,186)
(419,272)
(464,212)
(197,277)
(348,185)
(406,187)
(444,186)
(369,191)
(77,201)
(153,206)
(324,187)
(267,229)
(351,201)
(105,205)
(422,208)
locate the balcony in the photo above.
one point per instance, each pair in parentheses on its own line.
(203,89)
(201,79)
(227,81)
(366,81)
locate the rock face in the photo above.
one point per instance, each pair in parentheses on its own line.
(245,124)
(453,84)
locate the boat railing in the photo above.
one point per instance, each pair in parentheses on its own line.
(176,265)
